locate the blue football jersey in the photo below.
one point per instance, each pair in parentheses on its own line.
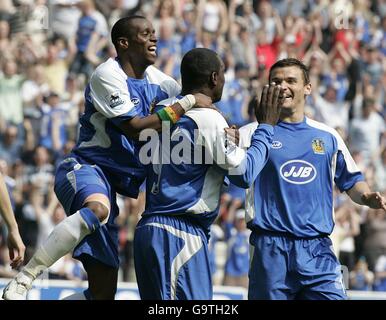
(112,97)
(293,193)
(189,182)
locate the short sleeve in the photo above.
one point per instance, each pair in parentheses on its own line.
(110,95)
(347,172)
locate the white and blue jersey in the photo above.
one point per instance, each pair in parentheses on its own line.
(182,198)
(192,187)
(111,98)
(293,193)
(104,160)
(289,208)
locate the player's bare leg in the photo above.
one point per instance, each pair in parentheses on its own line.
(102,280)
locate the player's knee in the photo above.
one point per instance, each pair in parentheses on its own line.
(99,209)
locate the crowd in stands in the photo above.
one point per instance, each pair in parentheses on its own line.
(49,48)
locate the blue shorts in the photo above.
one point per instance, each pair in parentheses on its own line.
(166,267)
(284,268)
(74,182)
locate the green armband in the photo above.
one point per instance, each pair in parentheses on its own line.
(163,115)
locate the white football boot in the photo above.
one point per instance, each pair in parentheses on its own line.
(18,287)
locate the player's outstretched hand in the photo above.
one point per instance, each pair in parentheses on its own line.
(16,248)
(268,109)
(203,101)
(374,200)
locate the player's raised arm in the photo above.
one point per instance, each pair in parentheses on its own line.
(267,113)
(109,95)
(173,113)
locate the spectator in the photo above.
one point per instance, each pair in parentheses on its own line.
(10,145)
(187,27)
(365,133)
(53,134)
(10,93)
(7,47)
(40,171)
(237,262)
(326,105)
(380,172)
(347,225)
(91,38)
(216,236)
(33,89)
(380,274)
(56,64)
(375,237)
(361,278)
(65,16)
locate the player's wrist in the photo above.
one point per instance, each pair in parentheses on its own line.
(168,114)
(187,102)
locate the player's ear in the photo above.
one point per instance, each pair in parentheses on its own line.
(307,89)
(123,43)
(213,78)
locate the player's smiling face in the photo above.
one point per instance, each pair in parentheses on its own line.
(291,79)
(144,42)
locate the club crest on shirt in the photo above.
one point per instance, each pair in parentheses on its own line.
(318,146)
(115,100)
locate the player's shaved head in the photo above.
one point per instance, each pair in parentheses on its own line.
(292,62)
(123,28)
(197,67)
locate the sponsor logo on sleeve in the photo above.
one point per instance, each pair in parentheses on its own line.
(298,172)
(115,99)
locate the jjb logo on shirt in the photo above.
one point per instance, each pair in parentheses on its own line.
(298,172)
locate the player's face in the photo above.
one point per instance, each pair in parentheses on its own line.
(292,81)
(143,43)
